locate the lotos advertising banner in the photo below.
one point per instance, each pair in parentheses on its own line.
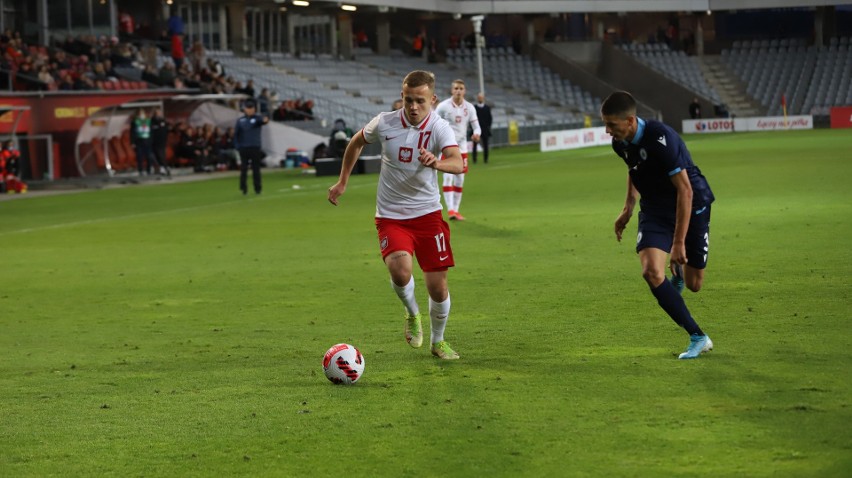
(574,138)
(721,125)
(764,123)
(841,117)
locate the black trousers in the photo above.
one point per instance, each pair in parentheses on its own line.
(483,142)
(253,156)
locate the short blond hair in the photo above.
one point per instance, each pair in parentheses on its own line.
(419,78)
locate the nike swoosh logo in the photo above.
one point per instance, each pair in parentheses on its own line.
(388,138)
(443,258)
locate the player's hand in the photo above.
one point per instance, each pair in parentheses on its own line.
(621,223)
(427,158)
(474,138)
(678,254)
(335,192)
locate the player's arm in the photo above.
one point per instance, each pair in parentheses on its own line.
(350,156)
(627,212)
(474,124)
(450,162)
(684,209)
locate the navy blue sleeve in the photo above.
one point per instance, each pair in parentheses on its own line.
(665,146)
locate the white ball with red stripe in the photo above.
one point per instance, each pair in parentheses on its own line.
(343,364)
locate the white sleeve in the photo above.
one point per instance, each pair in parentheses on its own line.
(371,131)
(441,111)
(444,137)
(474,121)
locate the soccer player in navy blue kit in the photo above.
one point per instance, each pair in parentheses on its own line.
(674,216)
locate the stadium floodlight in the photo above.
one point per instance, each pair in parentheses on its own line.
(477,29)
(348,8)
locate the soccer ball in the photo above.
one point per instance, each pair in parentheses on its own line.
(343,364)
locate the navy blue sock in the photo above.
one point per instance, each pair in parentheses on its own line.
(673,304)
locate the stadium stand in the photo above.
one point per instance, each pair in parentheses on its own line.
(674,64)
(812,78)
(504,66)
(372,81)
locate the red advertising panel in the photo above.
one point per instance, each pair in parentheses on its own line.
(841,117)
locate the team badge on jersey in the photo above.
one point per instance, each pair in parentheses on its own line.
(405,154)
(643,154)
(383,244)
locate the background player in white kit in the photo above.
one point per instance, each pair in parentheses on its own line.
(408,204)
(460,113)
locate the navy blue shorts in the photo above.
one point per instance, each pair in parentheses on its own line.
(657,230)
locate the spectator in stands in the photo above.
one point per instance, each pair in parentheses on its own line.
(418,44)
(45,77)
(248,143)
(264,101)
(149,75)
(695,109)
(226,149)
(339,138)
(60,60)
(159,140)
(167,74)
(98,73)
(280,113)
(66,81)
(196,56)
(126,25)
(192,148)
(216,68)
(26,79)
(140,136)
(84,83)
(109,69)
(178,53)
(307,110)
(175,23)
(249,88)
(397,104)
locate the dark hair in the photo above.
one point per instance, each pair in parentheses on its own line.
(620,103)
(250,103)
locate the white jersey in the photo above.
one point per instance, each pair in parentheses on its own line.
(459,117)
(407,189)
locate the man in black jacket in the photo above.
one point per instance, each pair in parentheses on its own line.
(159,139)
(483,112)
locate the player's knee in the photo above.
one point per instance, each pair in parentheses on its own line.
(694,285)
(653,276)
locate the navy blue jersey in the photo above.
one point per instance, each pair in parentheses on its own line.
(653,156)
(247,132)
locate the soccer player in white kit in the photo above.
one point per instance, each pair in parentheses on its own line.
(408,204)
(460,113)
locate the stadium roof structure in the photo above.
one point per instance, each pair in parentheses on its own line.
(473,7)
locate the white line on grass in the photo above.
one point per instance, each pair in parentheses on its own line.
(160,213)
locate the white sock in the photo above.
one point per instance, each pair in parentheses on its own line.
(449,195)
(457,188)
(406,295)
(448,199)
(439,312)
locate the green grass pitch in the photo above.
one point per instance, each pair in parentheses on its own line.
(178,329)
